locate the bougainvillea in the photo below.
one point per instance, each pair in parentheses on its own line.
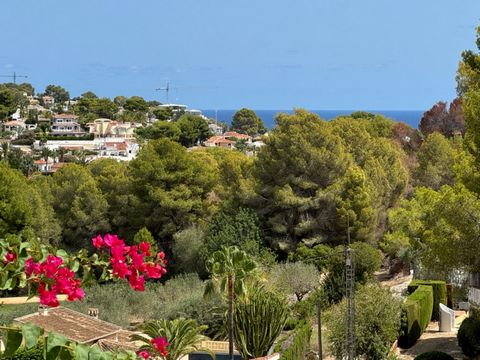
(48,272)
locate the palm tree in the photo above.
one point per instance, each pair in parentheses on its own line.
(184,336)
(46,153)
(229,267)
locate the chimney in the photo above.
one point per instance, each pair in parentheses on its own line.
(42,310)
(93,312)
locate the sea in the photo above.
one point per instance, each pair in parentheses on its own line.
(410,117)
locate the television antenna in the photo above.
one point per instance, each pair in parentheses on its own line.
(167,89)
(14,76)
(350,296)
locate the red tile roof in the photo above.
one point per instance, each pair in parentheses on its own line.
(117,145)
(236,135)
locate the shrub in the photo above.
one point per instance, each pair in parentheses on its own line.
(35,353)
(434,355)
(439,294)
(298,344)
(10,312)
(417,314)
(469,337)
(258,320)
(295,278)
(377,322)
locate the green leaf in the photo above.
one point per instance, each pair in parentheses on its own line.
(96,354)
(65,354)
(13,342)
(31,333)
(80,352)
(54,345)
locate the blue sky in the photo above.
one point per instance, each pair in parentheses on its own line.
(262,54)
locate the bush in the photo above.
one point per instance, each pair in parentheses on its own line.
(10,312)
(434,355)
(298,344)
(439,294)
(469,337)
(35,353)
(417,312)
(377,322)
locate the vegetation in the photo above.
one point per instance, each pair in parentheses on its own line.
(258,321)
(468,338)
(375,308)
(245,121)
(439,294)
(298,343)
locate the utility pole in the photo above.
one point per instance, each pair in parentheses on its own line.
(319,330)
(14,76)
(350,296)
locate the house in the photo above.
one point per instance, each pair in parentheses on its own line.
(75,326)
(14,126)
(48,100)
(111,128)
(219,141)
(122,150)
(66,125)
(238,136)
(215,129)
(43,166)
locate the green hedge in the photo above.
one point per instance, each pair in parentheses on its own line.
(300,343)
(439,294)
(434,355)
(468,337)
(417,312)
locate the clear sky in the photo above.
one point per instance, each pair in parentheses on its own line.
(262,54)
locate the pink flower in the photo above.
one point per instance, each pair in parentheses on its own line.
(153,271)
(32,267)
(160,343)
(120,268)
(117,251)
(76,294)
(144,354)
(109,239)
(137,259)
(98,241)
(9,257)
(145,248)
(47,297)
(50,266)
(137,283)
(161,255)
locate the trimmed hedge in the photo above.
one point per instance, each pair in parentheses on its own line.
(417,312)
(469,337)
(439,294)
(300,343)
(434,355)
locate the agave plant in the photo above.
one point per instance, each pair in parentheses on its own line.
(258,322)
(184,336)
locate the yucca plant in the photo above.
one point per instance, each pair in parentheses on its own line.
(229,268)
(258,320)
(184,336)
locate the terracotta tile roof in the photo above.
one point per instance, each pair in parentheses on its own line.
(117,145)
(75,326)
(14,123)
(219,140)
(58,165)
(40,162)
(119,341)
(236,135)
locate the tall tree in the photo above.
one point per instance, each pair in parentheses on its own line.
(246,121)
(58,93)
(446,120)
(229,268)
(193,130)
(172,186)
(136,103)
(79,205)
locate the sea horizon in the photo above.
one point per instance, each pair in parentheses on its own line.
(410,117)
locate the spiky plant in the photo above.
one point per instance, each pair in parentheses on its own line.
(184,336)
(258,320)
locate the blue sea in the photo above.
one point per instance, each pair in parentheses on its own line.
(410,117)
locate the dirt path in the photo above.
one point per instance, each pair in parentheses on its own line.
(432,339)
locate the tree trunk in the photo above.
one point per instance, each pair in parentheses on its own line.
(230,317)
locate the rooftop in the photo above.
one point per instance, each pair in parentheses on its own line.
(74,325)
